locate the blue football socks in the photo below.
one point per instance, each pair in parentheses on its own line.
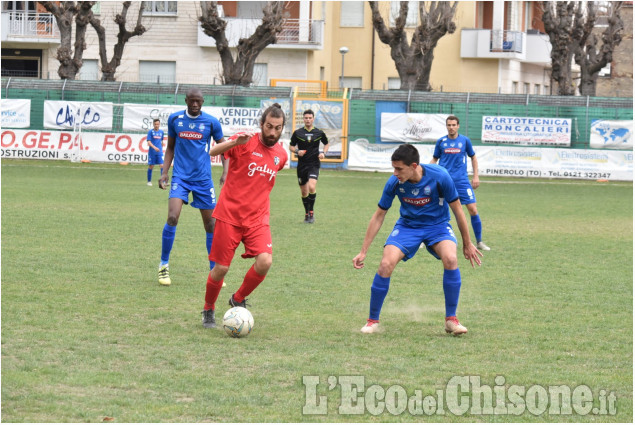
(378,292)
(451,290)
(167,241)
(149,174)
(476,226)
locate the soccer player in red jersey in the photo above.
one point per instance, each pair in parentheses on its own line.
(242,211)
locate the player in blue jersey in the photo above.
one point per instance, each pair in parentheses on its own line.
(155,148)
(426,193)
(451,151)
(189,141)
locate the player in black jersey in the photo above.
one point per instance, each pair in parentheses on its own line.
(305,143)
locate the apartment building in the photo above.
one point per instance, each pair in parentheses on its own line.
(498,47)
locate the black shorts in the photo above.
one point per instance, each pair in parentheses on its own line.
(306,172)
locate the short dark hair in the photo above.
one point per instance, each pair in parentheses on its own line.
(275,111)
(452,118)
(308,112)
(406,153)
(155,120)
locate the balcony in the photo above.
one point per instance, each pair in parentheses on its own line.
(501,44)
(30,27)
(296,33)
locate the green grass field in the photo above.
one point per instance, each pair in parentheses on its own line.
(88,335)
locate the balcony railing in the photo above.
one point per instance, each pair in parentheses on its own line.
(31,25)
(506,41)
(307,33)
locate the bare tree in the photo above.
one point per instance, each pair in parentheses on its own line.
(414,60)
(569,25)
(70,57)
(108,68)
(589,56)
(239,71)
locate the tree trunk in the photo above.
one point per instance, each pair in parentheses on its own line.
(591,59)
(240,71)
(70,58)
(109,68)
(414,61)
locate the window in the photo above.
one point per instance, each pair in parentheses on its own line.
(18,6)
(352,14)
(514,87)
(606,71)
(89,70)
(411,18)
(259,76)
(157,72)
(545,90)
(394,83)
(160,8)
(536,88)
(352,82)
(525,88)
(250,9)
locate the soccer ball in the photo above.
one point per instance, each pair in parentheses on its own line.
(238,322)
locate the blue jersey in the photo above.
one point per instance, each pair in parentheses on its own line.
(452,154)
(424,203)
(192,143)
(156,138)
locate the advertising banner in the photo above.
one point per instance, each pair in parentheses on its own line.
(526,131)
(91,146)
(65,115)
(611,134)
(233,120)
(16,113)
(412,128)
(585,164)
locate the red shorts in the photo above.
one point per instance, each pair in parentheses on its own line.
(257,240)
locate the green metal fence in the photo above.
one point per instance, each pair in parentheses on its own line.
(469,107)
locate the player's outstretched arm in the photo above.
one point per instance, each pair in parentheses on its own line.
(469,250)
(220,148)
(373,228)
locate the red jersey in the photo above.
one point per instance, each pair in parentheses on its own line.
(244,199)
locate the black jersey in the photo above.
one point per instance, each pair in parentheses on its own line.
(309,141)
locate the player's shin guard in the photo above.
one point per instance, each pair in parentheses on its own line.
(212,289)
(477,227)
(167,241)
(378,292)
(251,282)
(149,174)
(312,200)
(208,241)
(451,290)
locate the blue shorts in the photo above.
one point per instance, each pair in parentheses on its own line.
(155,158)
(409,239)
(466,193)
(203,195)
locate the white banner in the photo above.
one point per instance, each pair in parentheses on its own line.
(512,161)
(139,117)
(95,147)
(16,113)
(612,134)
(412,128)
(64,115)
(526,131)
(233,120)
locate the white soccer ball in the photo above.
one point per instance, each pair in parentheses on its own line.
(238,322)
